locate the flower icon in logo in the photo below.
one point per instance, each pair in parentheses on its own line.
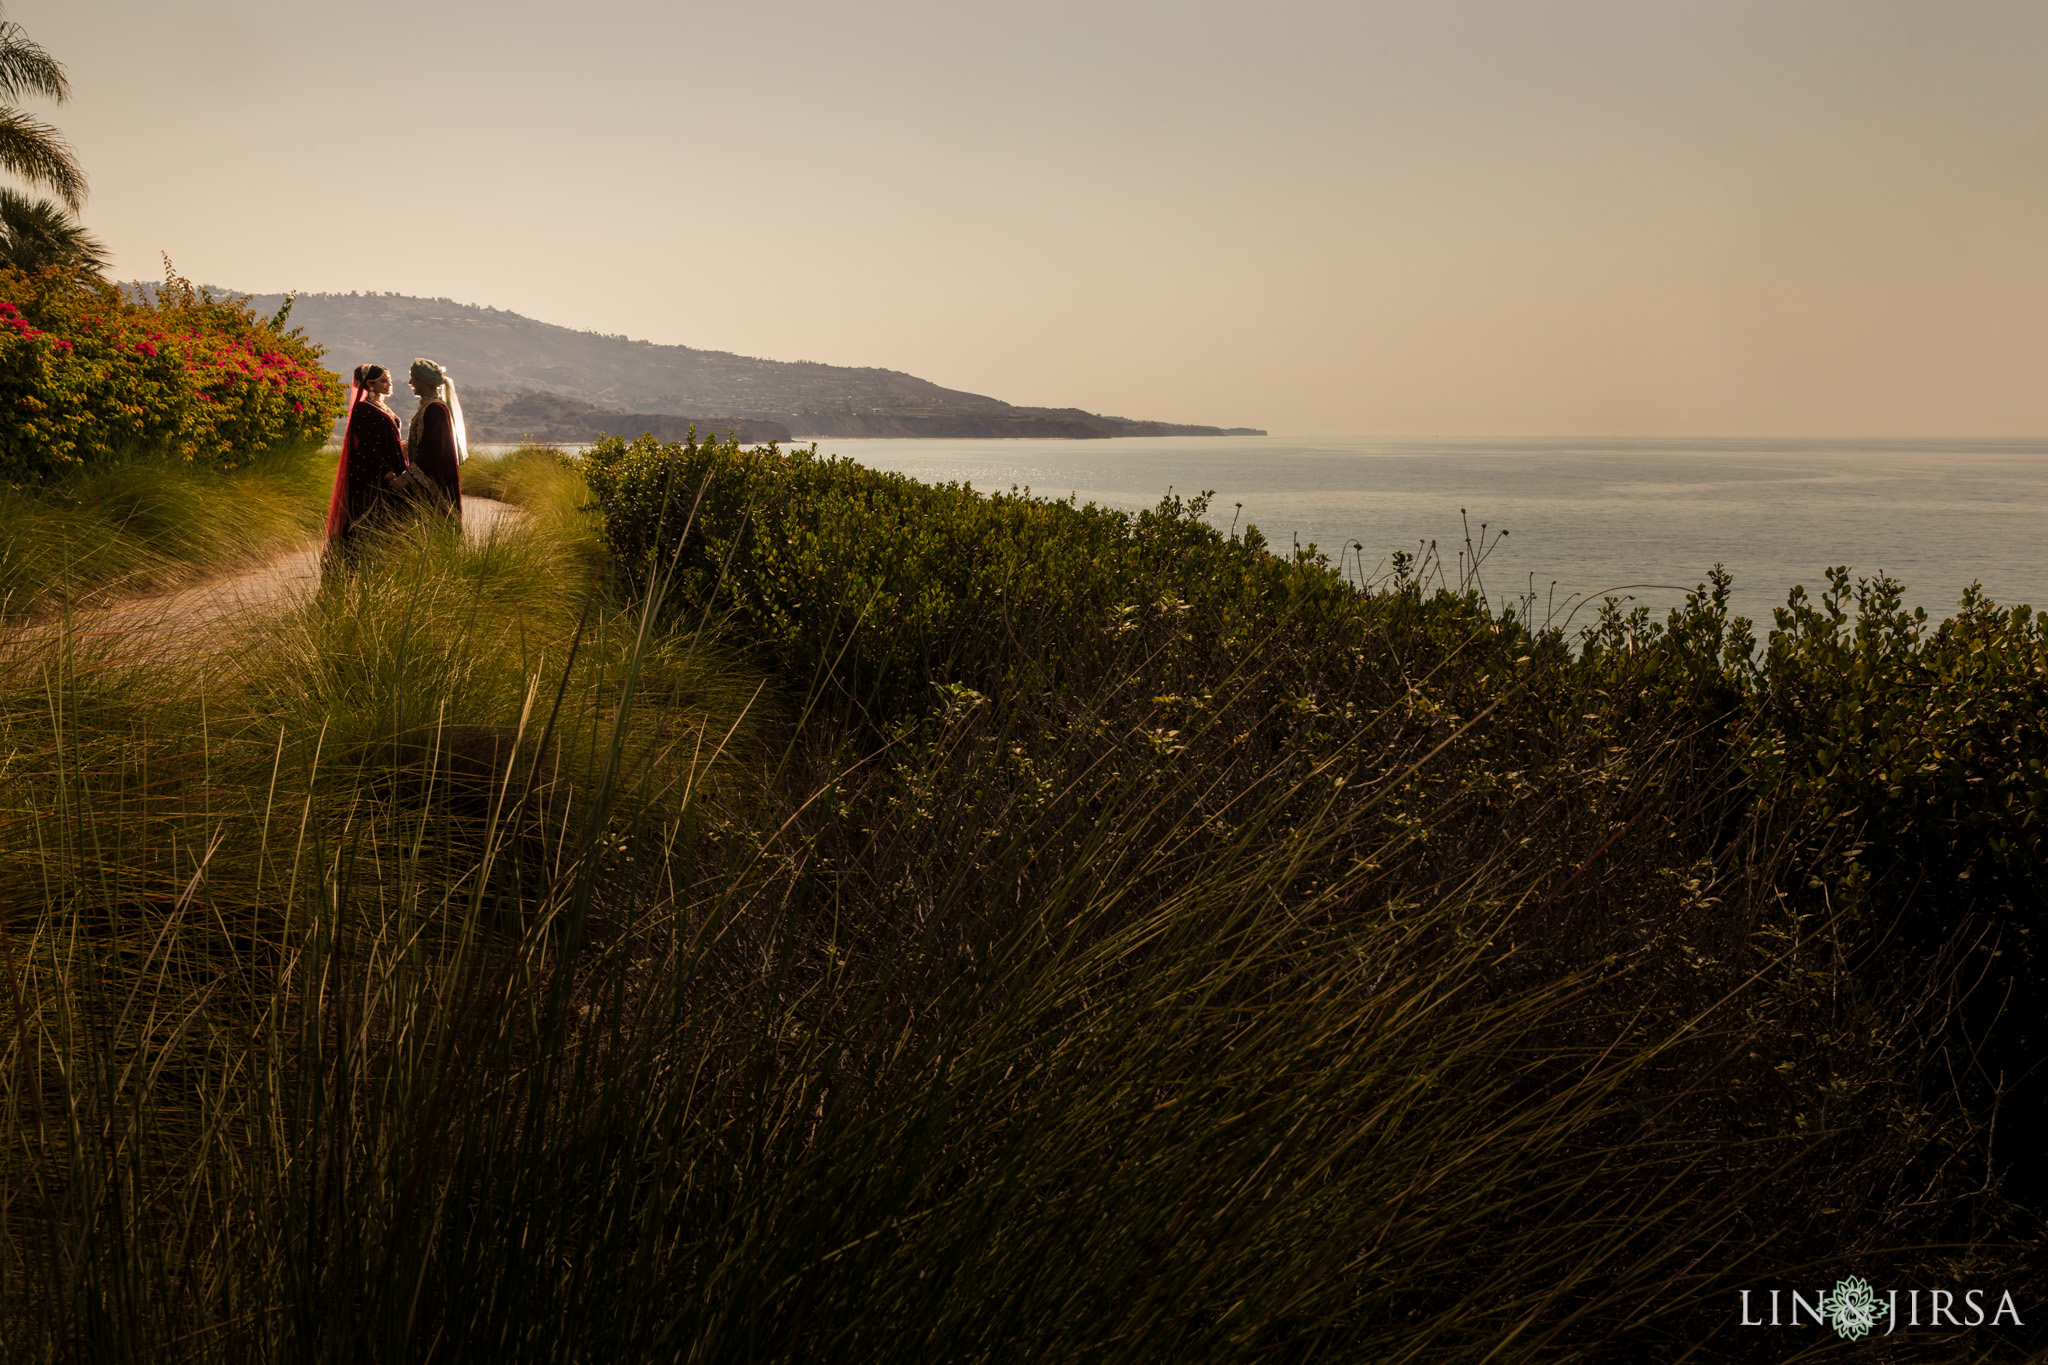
(1852,1309)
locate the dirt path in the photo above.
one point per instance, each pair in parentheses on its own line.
(187,618)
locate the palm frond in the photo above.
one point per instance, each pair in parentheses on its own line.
(37,235)
(26,69)
(39,154)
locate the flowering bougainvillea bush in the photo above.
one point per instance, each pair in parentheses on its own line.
(89,372)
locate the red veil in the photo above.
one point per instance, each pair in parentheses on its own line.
(337,505)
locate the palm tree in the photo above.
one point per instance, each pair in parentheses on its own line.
(29,147)
(37,235)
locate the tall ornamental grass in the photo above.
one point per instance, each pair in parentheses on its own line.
(144,524)
(489,961)
(1906,762)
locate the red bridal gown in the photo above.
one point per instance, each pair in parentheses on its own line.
(433,452)
(370,451)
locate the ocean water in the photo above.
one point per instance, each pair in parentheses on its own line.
(1585,518)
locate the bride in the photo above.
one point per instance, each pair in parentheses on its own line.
(437,444)
(372,467)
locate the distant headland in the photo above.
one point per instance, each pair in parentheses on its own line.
(526,379)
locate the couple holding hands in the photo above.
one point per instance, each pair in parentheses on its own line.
(381,474)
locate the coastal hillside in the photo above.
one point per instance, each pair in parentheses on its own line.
(504,416)
(488,348)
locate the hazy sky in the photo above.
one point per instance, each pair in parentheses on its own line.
(1450,216)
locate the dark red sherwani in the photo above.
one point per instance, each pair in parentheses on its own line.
(433,452)
(370,452)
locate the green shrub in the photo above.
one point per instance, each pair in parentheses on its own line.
(1917,747)
(1907,768)
(1917,759)
(89,374)
(885,585)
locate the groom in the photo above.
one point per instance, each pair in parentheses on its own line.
(435,443)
